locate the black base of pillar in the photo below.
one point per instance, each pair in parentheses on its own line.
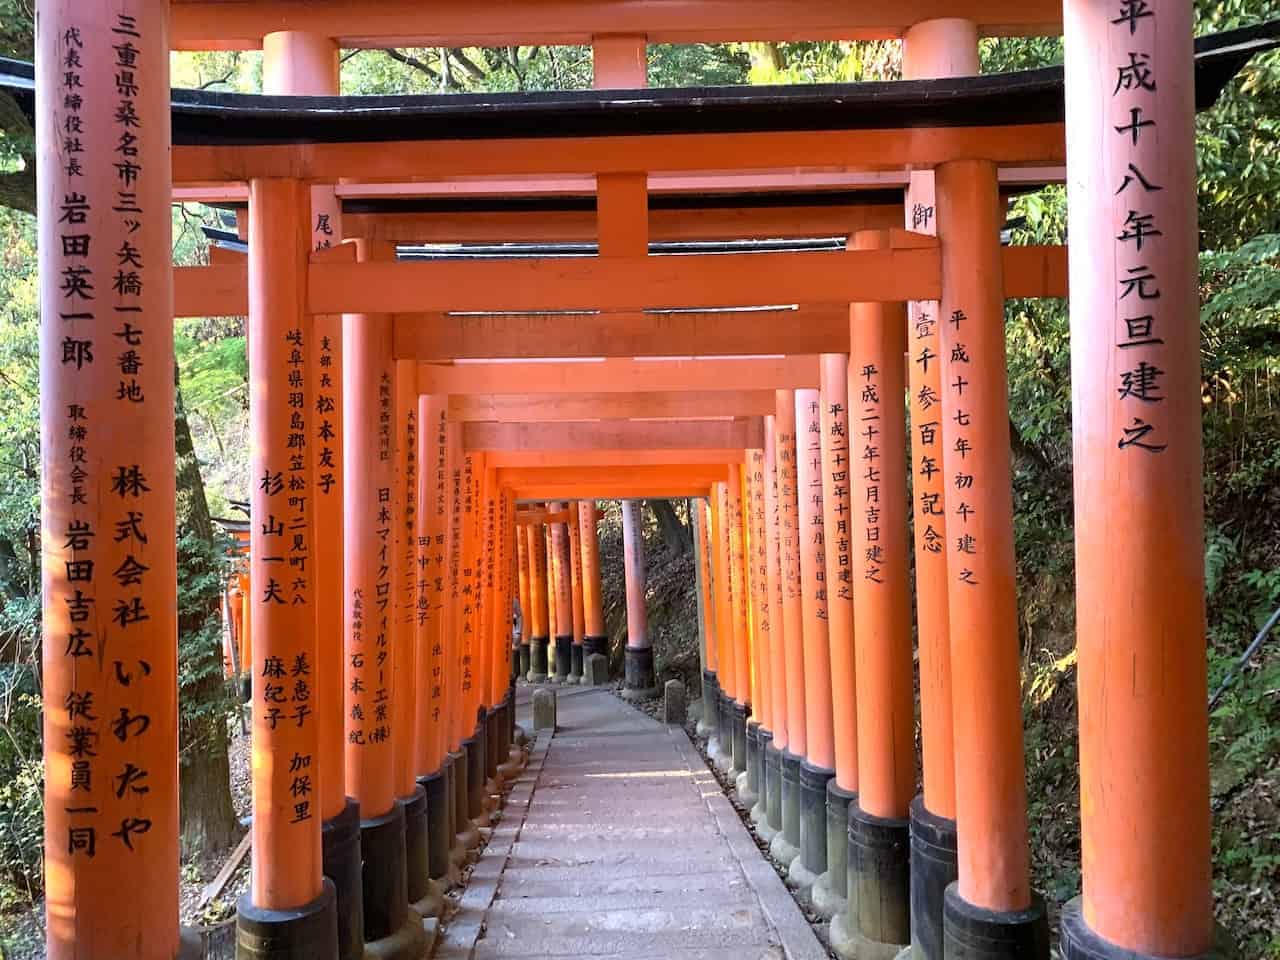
(755,760)
(340,856)
(473,746)
(525,664)
(576,662)
(459,822)
(564,658)
(791,798)
(972,933)
(764,739)
(592,645)
(391,931)
(724,729)
(439,832)
(639,682)
(739,744)
(773,786)
(710,704)
(308,933)
(537,660)
(1079,942)
(813,817)
(839,803)
(493,723)
(880,879)
(416,857)
(934,867)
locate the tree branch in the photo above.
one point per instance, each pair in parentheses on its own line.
(469,66)
(413,62)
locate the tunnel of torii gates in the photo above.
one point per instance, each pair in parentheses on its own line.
(832,326)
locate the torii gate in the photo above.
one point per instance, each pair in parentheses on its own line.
(381,543)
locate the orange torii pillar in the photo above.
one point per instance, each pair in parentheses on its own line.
(786,845)
(552,611)
(300,64)
(595,639)
(706,621)
(1144,767)
(878,920)
(537,548)
(575,583)
(934,48)
(751,784)
(992,902)
(819,763)
(471,721)
(108,517)
(639,682)
(774,738)
(722,755)
(563,595)
(466,834)
(831,890)
(373,634)
(425,898)
(430,734)
(738,598)
(526,612)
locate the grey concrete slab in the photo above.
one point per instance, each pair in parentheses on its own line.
(618,843)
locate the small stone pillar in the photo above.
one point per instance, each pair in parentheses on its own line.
(544,709)
(673,703)
(596,670)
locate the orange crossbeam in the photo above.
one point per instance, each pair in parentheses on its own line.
(511,408)
(614,435)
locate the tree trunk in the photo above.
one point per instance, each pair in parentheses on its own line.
(674,533)
(208,818)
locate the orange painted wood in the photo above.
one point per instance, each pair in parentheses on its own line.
(408,160)
(524,581)
(219,290)
(738,586)
(789,547)
(610,490)
(982,607)
(592,595)
(607,458)
(517,408)
(435,337)
(811,539)
(1146,845)
(711,652)
(757,612)
(575,571)
(241,24)
(777,668)
(537,548)
(429,723)
(723,590)
(843,559)
(881,605)
(404,578)
(109,621)
(619,376)
(613,435)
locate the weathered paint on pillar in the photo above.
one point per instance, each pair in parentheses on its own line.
(633,559)
(991,805)
(777,638)
(882,611)
(404,578)
(723,589)
(369,545)
(819,734)
(790,543)
(738,588)
(935,48)
(575,571)
(429,736)
(1144,768)
(107,503)
(839,529)
(592,608)
(758,576)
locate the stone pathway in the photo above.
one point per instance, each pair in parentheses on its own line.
(617,842)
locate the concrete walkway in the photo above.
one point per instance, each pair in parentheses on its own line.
(617,842)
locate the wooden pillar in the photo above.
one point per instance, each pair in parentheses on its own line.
(773,586)
(757,577)
(107,502)
(933,48)
(724,591)
(526,611)
(538,601)
(991,807)
(738,592)
(430,737)
(639,672)
(575,574)
(594,640)
(375,640)
(1144,769)
(789,545)
(404,576)
(563,593)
